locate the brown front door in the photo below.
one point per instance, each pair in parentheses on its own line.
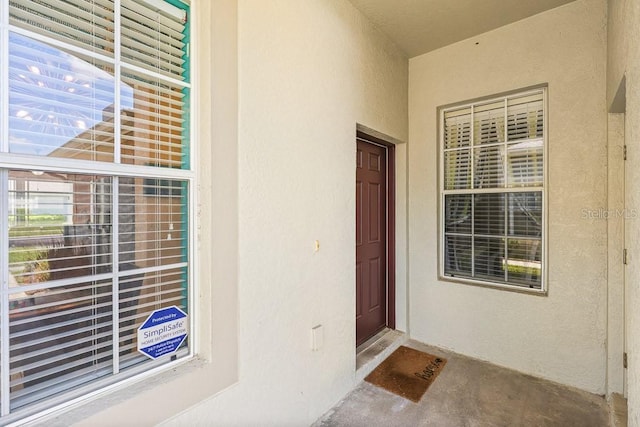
(371,240)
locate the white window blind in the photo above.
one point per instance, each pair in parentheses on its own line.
(492,188)
(154,41)
(96,183)
(85,23)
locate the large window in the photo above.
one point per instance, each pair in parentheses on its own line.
(492,191)
(95,192)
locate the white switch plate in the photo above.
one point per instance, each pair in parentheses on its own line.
(317,337)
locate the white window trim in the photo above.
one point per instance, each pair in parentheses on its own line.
(543,291)
(216,282)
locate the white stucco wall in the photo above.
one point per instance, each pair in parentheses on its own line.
(624,60)
(308,72)
(561,336)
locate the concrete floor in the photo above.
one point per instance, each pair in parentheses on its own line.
(470,393)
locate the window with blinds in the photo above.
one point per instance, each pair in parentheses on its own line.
(492,191)
(95,192)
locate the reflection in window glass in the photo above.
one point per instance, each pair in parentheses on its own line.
(96,185)
(61,234)
(154,126)
(60,105)
(59,338)
(59,225)
(152,221)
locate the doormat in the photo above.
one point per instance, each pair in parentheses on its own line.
(407,373)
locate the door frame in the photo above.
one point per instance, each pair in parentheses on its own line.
(617,230)
(391,221)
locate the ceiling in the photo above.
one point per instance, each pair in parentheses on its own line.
(420,26)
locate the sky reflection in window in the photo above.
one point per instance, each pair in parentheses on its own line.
(60,104)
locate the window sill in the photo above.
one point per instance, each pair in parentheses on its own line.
(149,399)
(497,286)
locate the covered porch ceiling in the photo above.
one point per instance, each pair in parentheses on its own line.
(420,26)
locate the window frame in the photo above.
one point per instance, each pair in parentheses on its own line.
(440,120)
(114,169)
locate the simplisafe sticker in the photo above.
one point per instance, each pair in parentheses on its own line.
(162,332)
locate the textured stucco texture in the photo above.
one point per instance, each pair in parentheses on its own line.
(308,72)
(562,336)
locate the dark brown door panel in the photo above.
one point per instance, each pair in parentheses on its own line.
(371,240)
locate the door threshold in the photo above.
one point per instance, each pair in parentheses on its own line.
(368,343)
(373,351)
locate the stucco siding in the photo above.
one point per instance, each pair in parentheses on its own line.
(561,336)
